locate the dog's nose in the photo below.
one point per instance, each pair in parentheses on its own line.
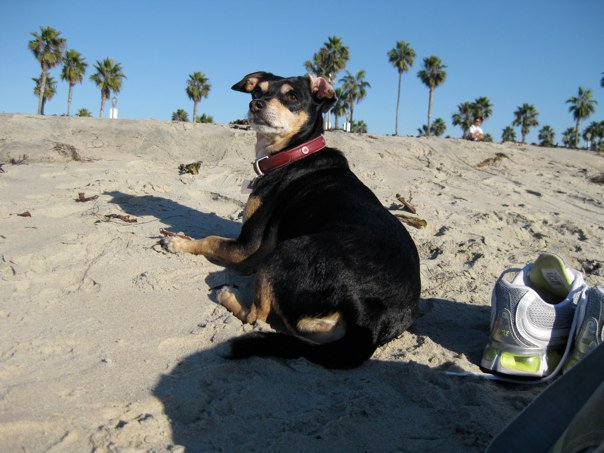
(257,105)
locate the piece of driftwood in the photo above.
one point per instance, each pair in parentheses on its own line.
(123,217)
(82,198)
(412,221)
(165,232)
(491,160)
(25,214)
(407,204)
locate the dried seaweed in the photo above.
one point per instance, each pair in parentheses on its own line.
(492,160)
(123,217)
(82,198)
(598,179)
(192,168)
(412,221)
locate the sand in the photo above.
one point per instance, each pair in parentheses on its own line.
(108,343)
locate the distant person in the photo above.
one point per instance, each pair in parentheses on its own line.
(475,132)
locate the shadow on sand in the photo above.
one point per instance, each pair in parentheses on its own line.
(266,404)
(175,216)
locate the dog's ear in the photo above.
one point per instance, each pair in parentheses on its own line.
(249,82)
(322,91)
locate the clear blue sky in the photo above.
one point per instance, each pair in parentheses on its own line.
(535,51)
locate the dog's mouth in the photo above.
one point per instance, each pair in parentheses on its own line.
(263,122)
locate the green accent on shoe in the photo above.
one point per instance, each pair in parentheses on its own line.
(549,274)
(526,363)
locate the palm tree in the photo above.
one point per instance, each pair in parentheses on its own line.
(432,75)
(84,112)
(401,58)
(525,117)
(204,119)
(594,134)
(483,108)
(464,116)
(197,88)
(74,68)
(50,89)
(180,115)
(547,136)
(47,47)
(359,127)
(438,128)
(340,107)
(355,89)
(108,78)
(328,61)
(569,137)
(581,107)
(508,134)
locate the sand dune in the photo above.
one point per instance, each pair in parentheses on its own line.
(110,344)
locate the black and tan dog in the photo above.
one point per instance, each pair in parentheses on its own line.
(340,271)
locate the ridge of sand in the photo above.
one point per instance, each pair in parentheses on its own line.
(110,344)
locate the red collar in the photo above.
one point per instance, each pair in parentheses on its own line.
(282,158)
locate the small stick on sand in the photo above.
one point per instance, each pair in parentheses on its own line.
(407,204)
(25,214)
(165,232)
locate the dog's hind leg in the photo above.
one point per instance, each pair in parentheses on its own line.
(261,306)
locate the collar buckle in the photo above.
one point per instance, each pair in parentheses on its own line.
(257,166)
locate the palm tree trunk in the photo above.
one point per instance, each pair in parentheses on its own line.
(69,98)
(337,120)
(42,88)
(43,104)
(577,133)
(429,111)
(194,112)
(398,101)
(102,105)
(524,132)
(351,111)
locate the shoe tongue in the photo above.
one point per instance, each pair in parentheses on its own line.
(550,274)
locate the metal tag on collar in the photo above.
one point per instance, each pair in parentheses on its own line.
(257,166)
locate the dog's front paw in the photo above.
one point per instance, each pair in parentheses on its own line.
(174,244)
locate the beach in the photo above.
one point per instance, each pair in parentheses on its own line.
(109,343)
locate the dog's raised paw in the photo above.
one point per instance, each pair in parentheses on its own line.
(174,244)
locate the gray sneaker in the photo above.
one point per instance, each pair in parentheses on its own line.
(531,318)
(589,334)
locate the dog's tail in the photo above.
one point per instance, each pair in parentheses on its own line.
(350,351)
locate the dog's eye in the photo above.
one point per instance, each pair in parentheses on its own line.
(291,96)
(256,93)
